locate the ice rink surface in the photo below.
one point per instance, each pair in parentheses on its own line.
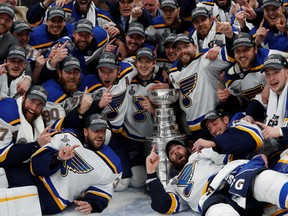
(132,202)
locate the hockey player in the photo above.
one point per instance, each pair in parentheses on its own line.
(191,75)
(67,104)
(54,28)
(13,73)
(239,138)
(22,127)
(138,122)
(228,190)
(111,82)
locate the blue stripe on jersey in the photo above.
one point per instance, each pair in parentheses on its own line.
(283,196)
(195,124)
(4,152)
(110,158)
(62,203)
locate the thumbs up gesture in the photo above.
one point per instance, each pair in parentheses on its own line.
(222,92)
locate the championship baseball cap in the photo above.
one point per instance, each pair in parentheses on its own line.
(200,11)
(95,122)
(242,39)
(7,9)
(16,51)
(19,26)
(136,28)
(169,39)
(276,3)
(276,61)
(182,38)
(37,92)
(55,11)
(169,3)
(84,25)
(211,115)
(172,143)
(70,63)
(108,59)
(145,51)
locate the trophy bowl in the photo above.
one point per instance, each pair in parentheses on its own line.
(163,96)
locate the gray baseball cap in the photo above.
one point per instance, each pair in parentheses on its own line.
(169,39)
(84,25)
(211,115)
(55,12)
(136,28)
(276,3)
(200,11)
(16,51)
(145,51)
(19,26)
(7,9)
(276,61)
(108,59)
(95,122)
(37,92)
(242,39)
(169,3)
(182,38)
(70,63)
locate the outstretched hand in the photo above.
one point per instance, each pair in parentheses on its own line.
(152,161)
(67,152)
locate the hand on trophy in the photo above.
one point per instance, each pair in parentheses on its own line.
(152,161)
(159,86)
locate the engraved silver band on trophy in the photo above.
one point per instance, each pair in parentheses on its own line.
(165,127)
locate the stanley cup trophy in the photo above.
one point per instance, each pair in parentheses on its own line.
(165,127)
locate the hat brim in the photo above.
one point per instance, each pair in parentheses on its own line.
(17,56)
(136,32)
(84,30)
(145,55)
(109,65)
(6,12)
(242,44)
(273,3)
(22,29)
(56,15)
(34,96)
(71,67)
(168,5)
(200,14)
(182,40)
(203,122)
(98,126)
(272,65)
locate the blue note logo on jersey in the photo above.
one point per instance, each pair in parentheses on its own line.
(187,86)
(117,100)
(76,164)
(184,179)
(140,115)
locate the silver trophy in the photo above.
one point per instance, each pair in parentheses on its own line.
(165,127)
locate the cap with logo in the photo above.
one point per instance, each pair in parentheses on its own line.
(211,115)
(276,61)
(145,51)
(169,39)
(55,12)
(276,3)
(37,92)
(182,38)
(169,3)
(70,63)
(242,39)
(170,144)
(200,11)
(84,25)
(19,26)
(16,51)
(7,9)
(108,59)
(136,28)
(95,122)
